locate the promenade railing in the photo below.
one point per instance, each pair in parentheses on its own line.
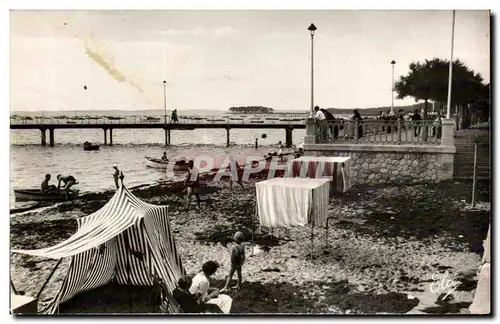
(377,131)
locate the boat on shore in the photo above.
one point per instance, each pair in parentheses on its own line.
(37,195)
(178,165)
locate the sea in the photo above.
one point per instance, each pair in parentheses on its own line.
(29,161)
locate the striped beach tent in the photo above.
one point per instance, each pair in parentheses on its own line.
(126,242)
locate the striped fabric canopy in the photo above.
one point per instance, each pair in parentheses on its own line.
(127,241)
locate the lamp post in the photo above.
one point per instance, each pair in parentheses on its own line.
(165,110)
(165,99)
(392,87)
(448,106)
(312,29)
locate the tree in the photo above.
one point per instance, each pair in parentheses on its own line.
(429,81)
(482,104)
(251,110)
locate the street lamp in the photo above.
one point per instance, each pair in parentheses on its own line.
(165,99)
(392,89)
(450,78)
(312,29)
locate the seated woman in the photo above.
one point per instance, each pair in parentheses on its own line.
(209,295)
(188,302)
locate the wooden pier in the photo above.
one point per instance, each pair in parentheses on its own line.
(51,124)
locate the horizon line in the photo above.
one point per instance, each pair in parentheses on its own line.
(132,110)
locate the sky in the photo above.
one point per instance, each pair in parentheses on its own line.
(214,60)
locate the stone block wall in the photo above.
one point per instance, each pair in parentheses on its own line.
(371,165)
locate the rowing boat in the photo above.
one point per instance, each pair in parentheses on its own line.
(180,165)
(37,195)
(90,147)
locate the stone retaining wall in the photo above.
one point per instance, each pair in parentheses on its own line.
(376,164)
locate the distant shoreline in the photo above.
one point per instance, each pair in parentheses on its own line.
(161,112)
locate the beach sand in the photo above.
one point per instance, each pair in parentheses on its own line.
(385,243)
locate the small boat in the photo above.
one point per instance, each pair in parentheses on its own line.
(179,165)
(37,195)
(153,118)
(90,147)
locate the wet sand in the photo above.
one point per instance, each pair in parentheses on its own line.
(384,245)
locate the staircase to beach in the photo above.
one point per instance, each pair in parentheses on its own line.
(464,156)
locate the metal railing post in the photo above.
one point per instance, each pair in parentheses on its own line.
(356,130)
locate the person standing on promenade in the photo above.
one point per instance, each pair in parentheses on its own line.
(401,118)
(321,122)
(116,175)
(174,117)
(416,118)
(356,116)
(256,143)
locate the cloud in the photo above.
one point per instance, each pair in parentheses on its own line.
(200,31)
(196,31)
(227,78)
(225,31)
(278,34)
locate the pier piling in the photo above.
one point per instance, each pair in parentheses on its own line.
(111,136)
(167,137)
(289,137)
(44,136)
(51,137)
(227,136)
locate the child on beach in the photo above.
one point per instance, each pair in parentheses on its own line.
(239,172)
(237,260)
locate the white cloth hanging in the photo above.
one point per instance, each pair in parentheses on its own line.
(287,202)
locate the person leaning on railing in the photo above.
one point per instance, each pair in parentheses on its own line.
(401,118)
(357,117)
(436,128)
(321,123)
(332,127)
